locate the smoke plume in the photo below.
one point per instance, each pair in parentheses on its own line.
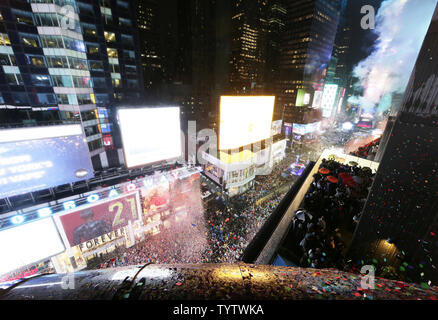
(401,26)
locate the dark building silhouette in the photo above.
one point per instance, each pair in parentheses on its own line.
(249,25)
(399,224)
(307,47)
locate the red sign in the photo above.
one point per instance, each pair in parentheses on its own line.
(20,276)
(107,141)
(103,218)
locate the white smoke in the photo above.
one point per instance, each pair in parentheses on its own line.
(401,26)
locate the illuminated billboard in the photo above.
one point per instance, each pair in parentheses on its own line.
(329,99)
(276,127)
(300,98)
(38,158)
(244,120)
(28,243)
(304,129)
(317,99)
(100,222)
(150,135)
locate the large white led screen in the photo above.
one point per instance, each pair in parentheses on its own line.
(28,243)
(245,120)
(38,158)
(150,135)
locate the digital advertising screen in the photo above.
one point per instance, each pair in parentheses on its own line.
(329,99)
(150,134)
(244,120)
(38,158)
(276,127)
(99,221)
(28,243)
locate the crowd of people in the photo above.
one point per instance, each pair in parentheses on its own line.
(221,230)
(218,234)
(330,211)
(368,151)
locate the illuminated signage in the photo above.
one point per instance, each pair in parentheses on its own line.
(245,120)
(317,98)
(150,135)
(300,98)
(306,100)
(90,198)
(38,158)
(93,221)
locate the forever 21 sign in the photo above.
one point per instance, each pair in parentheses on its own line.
(101,219)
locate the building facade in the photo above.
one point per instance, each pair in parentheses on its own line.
(399,223)
(68,60)
(307,47)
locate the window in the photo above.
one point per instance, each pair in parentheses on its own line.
(99,82)
(67,99)
(132,83)
(125,22)
(30,40)
(85,8)
(14,79)
(46,98)
(46,19)
(127,40)
(88,115)
(114,67)
(89,29)
(74,44)
(117,83)
(110,36)
(57,62)
(92,48)
(36,61)
(96,65)
(7,60)
(130,70)
(20,98)
(84,99)
(112,53)
(4,40)
(94,145)
(91,131)
(62,81)
(40,80)
(123,4)
(102,99)
(105,3)
(82,82)
(23,17)
(62,98)
(52,42)
(76,63)
(128,54)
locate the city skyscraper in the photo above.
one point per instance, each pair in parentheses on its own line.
(399,223)
(249,38)
(70,61)
(307,47)
(276,26)
(150,47)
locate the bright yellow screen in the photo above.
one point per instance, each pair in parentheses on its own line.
(245,120)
